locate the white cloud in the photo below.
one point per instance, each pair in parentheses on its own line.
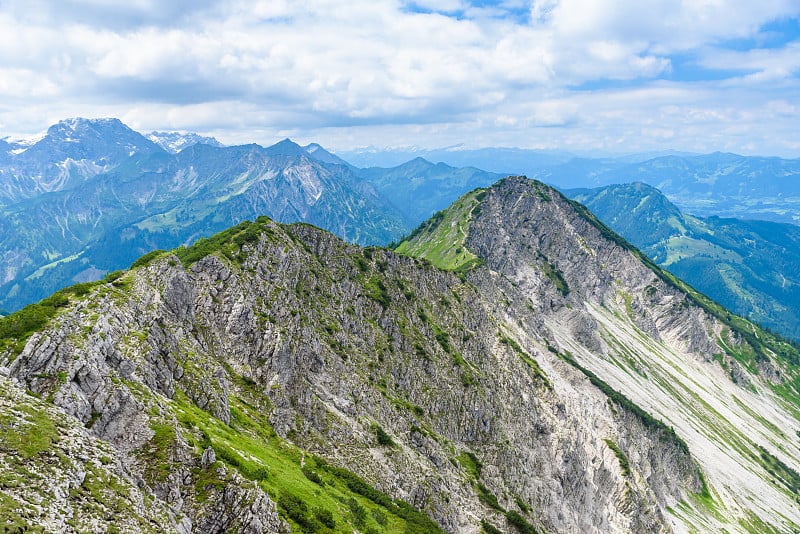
(241,67)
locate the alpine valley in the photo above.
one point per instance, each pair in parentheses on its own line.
(512,366)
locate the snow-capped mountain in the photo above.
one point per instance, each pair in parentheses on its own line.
(174,142)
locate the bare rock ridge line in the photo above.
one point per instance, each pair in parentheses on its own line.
(514,365)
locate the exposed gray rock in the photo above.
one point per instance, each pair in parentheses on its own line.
(208,457)
(330,343)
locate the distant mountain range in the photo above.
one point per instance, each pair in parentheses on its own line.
(503,161)
(174,142)
(726,185)
(750,267)
(418,188)
(91,196)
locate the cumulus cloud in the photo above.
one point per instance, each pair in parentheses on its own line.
(511,72)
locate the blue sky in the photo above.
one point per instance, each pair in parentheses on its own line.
(581,75)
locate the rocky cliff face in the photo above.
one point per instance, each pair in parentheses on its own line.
(277,371)
(726,387)
(750,267)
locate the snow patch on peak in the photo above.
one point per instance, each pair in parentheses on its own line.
(75,123)
(24,143)
(313,147)
(174,142)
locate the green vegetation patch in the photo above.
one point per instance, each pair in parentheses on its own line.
(624,465)
(312,495)
(471,464)
(751,523)
(377,291)
(384,439)
(556,276)
(147,258)
(505,340)
(228,243)
(15,329)
(158,450)
(519,522)
(35,435)
(787,476)
(415,521)
(13,516)
(440,239)
(487,497)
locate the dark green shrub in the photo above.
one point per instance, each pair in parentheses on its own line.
(379,517)
(296,509)
(645,418)
(384,439)
(147,258)
(358,511)
(489,528)
(325,516)
(416,521)
(624,465)
(312,475)
(488,498)
(520,523)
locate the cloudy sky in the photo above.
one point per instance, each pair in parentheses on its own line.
(582,75)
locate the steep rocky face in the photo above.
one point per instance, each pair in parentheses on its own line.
(270,363)
(750,267)
(727,388)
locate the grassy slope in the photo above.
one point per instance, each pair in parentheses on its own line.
(440,240)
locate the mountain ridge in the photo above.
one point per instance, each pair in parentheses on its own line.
(94,217)
(748,266)
(524,389)
(174,142)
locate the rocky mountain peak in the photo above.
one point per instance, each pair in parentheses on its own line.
(596,298)
(174,142)
(100,141)
(287,147)
(535,373)
(319,153)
